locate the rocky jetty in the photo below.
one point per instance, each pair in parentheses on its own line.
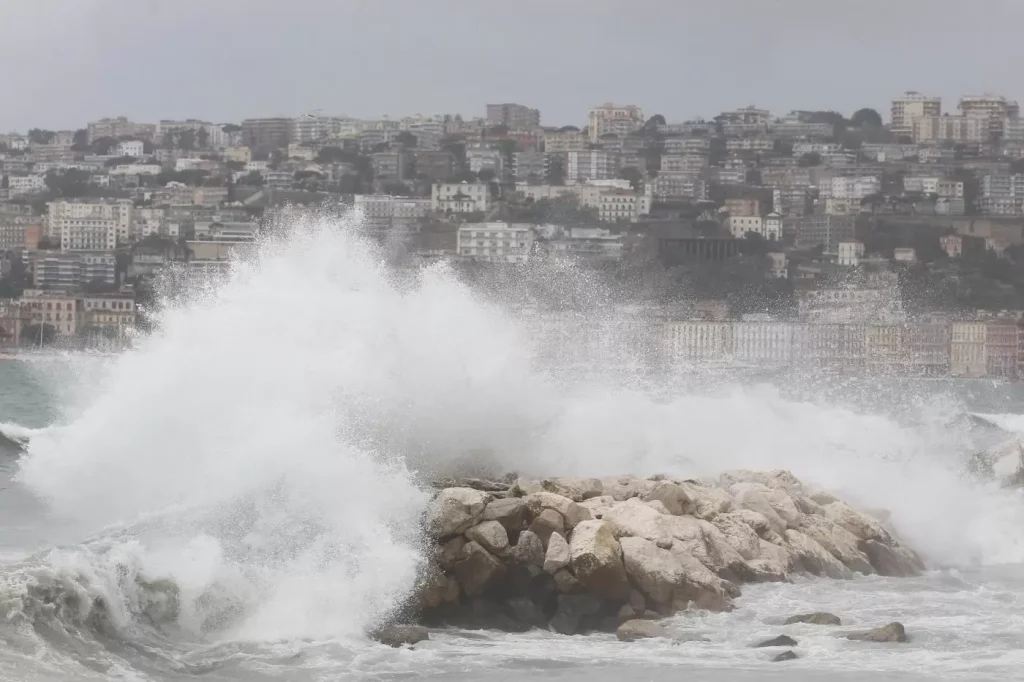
(578,555)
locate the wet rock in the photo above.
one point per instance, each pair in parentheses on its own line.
(489,614)
(767,571)
(657,506)
(654,570)
(548,521)
(451,552)
(582,488)
(597,506)
(571,610)
(839,542)
(571,512)
(526,611)
(596,560)
(708,500)
(510,512)
(739,535)
(894,562)
(785,656)
(431,590)
(814,558)
(477,569)
(893,632)
(781,640)
(566,582)
(861,525)
(775,478)
(625,487)
(753,496)
(818,618)
(672,496)
(399,635)
(701,588)
(632,630)
(491,536)
(557,556)
(529,550)
(453,510)
(633,518)
(702,540)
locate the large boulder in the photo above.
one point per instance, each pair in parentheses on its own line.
(547,522)
(632,630)
(785,506)
(453,510)
(861,525)
(781,640)
(529,551)
(654,570)
(572,612)
(584,488)
(623,488)
(708,501)
(491,536)
(565,582)
(702,540)
(814,558)
(510,512)
(740,536)
(839,542)
(701,588)
(895,561)
(572,512)
(754,496)
(893,632)
(596,559)
(672,495)
(477,569)
(597,506)
(634,518)
(557,556)
(399,635)
(450,552)
(817,618)
(776,478)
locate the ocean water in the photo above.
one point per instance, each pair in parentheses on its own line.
(237,498)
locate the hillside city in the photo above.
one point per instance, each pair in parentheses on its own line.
(808,240)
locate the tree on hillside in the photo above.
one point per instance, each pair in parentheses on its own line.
(231,128)
(203,138)
(556,170)
(101,146)
(39,136)
(80,140)
(168,140)
(809,159)
(568,129)
(863,117)
(253,179)
(406,138)
(486,174)
(633,175)
(187,140)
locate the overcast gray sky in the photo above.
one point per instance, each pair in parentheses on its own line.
(65,62)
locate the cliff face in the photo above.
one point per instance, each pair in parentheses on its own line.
(576,555)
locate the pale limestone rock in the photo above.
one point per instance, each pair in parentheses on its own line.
(708,501)
(840,543)
(453,510)
(634,518)
(596,559)
(597,506)
(814,558)
(477,569)
(572,512)
(557,556)
(529,550)
(510,512)
(672,495)
(491,536)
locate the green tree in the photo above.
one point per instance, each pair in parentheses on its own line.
(101,146)
(203,138)
(119,161)
(633,175)
(80,140)
(486,174)
(253,179)
(231,128)
(70,184)
(810,159)
(866,117)
(187,140)
(556,170)
(39,136)
(168,141)
(406,139)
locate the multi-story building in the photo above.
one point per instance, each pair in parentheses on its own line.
(460,197)
(679,163)
(614,119)
(1001,350)
(687,145)
(18,185)
(669,186)
(850,253)
(791,201)
(393,165)
(266,132)
(967,129)
(832,346)
(740,225)
(514,116)
(762,343)
(911,106)
(435,165)
(59,311)
(619,205)
(311,127)
(927,349)
(237,154)
(530,165)
(854,188)
(90,225)
(111,317)
(792,127)
(590,165)
(993,110)
(485,159)
(135,148)
(562,142)
(384,212)
(20,232)
(749,144)
(496,242)
(885,351)
(148,221)
(120,127)
(697,341)
(967,349)
(12,321)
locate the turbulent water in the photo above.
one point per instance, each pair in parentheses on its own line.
(237,498)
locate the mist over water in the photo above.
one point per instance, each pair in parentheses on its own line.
(266,450)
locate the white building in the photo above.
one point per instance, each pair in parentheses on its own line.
(740,225)
(149,221)
(950,129)
(850,253)
(25,184)
(590,165)
(623,206)
(92,225)
(496,242)
(762,343)
(855,188)
(698,341)
(910,106)
(134,148)
(490,159)
(460,197)
(136,169)
(993,110)
(615,119)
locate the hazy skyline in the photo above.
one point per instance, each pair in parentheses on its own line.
(67,62)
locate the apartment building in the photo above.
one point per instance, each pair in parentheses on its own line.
(56,310)
(90,225)
(619,205)
(967,129)
(909,107)
(435,165)
(20,232)
(993,110)
(530,165)
(670,186)
(590,165)
(562,142)
(676,163)
(460,197)
(967,351)
(485,159)
(613,119)
(514,116)
(850,253)
(393,165)
(822,230)
(791,201)
(120,127)
(496,242)
(111,317)
(266,132)
(697,341)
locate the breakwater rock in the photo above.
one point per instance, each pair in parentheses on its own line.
(578,555)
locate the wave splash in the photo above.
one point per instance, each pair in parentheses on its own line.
(264,451)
